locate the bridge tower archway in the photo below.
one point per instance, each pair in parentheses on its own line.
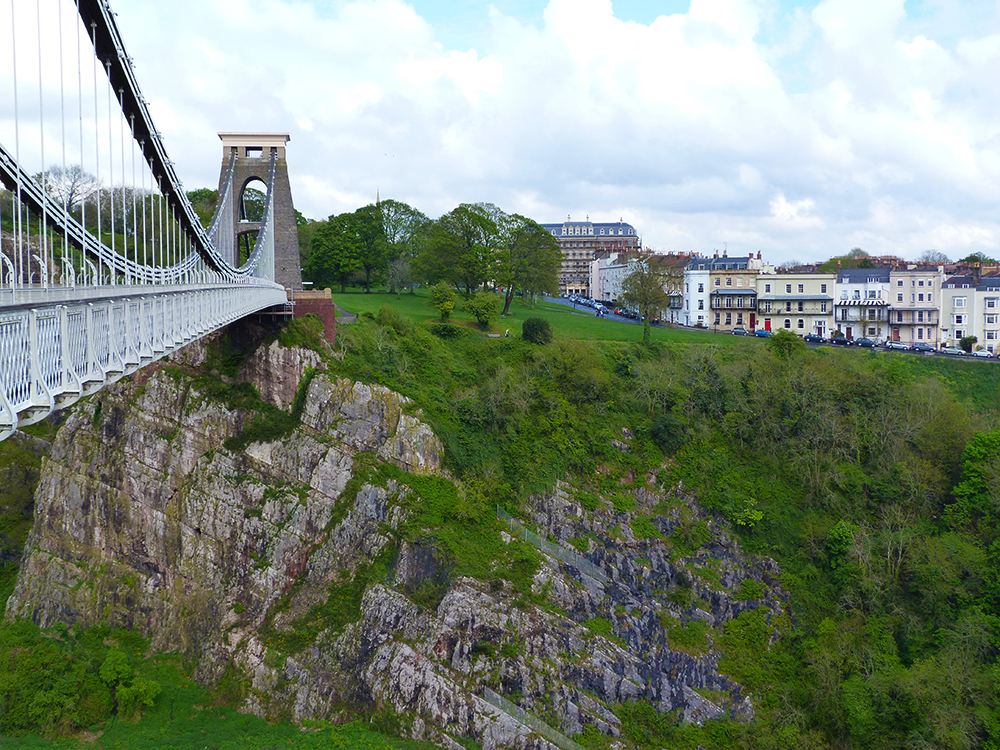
(253,159)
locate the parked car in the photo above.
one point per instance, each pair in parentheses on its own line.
(814,338)
(982,353)
(760,332)
(920,346)
(740,331)
(953,350)
(840,340)
(897,345)
(867,343)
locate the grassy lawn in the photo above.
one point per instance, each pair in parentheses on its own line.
(565,321)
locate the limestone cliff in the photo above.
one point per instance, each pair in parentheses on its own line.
(308,565)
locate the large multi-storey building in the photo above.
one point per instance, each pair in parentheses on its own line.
(914,296)
(583,241)
(862,304)
(721,288)
(988,307)
(958,308)
(799,302)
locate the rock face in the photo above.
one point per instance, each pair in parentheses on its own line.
(257,560)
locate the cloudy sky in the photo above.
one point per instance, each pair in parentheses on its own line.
(800,129)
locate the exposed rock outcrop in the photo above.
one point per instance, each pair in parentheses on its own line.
(263,559)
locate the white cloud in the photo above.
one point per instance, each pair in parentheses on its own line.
(800,135)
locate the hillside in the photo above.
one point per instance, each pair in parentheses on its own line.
(312,537)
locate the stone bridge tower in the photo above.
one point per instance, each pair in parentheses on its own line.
(253,159)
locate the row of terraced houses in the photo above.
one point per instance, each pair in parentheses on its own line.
(900,302)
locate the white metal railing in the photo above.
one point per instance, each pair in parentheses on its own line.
(52,356)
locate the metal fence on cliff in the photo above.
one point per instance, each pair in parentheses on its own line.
(530,720)
(568,556)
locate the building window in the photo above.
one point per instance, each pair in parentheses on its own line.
(920,283)
(729,319)
(788,323)
(729,301)
(765,307)
(959,319)
(899,283)
(788,307)
(739,319)
(871,294)
(920,316)
(739,281)
(991,335)
(822,307)
(899,317)
(930,297)
(801,290)
(800,307)
(871,330)
(822,288)
(958,302)
(899,297)
(920,298)
(871,315)
(767,288)
(788,290)
(802,323)
(701,289)
(959,333)
(920,333)
(718,281)
(701,304)
(717,317)
(991,318)
(729,281)
(991,302)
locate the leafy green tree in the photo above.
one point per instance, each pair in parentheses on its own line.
(204,203)
(373,249)
(647,289)
(784,343)
(979,257)
(967,342)
(402,226)
(443,298)
(335,253)
(484,307)
(458,248)
(527,260)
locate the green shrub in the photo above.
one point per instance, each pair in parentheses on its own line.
(484,307)
(645,529)
(623,503)
(536,330)
(668,432)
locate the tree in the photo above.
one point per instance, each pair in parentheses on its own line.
(204,202)
(70,186)
(334,253)
(402,226)
(458,248)
(484,307)
(857,252)
(784,343)
(979,257)
(647,288)
(372,244)
(968,342)
(443,298)
(399,275)
(528,260)
(933,256)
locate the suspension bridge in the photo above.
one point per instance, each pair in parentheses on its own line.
(105,265)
